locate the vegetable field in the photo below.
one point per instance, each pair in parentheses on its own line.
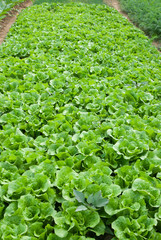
(146,14)
(80,120)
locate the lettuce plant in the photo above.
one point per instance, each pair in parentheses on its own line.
(79,127)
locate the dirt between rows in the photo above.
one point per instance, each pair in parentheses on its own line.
(10,18)
(115,4)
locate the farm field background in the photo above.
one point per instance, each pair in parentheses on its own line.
(68,1)
(80,127)
(146,14)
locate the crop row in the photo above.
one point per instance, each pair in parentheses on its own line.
(146,14)
(79,127)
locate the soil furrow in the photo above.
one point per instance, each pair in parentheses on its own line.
(6,23)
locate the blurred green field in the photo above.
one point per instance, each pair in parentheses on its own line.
(68,1)
(146,14)
(7,5)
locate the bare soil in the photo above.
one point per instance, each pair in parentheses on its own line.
(108,237)
(6,23)
(115,4)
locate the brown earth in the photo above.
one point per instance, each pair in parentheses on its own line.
(116,5)
(108,237)
(10,18)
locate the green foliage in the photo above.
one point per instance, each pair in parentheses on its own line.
(146,14)
(94,200)
(68,1)
(7,5)
(79,110)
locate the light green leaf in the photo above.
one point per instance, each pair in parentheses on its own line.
(60,232)
(81,208)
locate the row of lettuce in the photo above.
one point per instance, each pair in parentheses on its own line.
(80,127)
(146,14)
(7,5)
